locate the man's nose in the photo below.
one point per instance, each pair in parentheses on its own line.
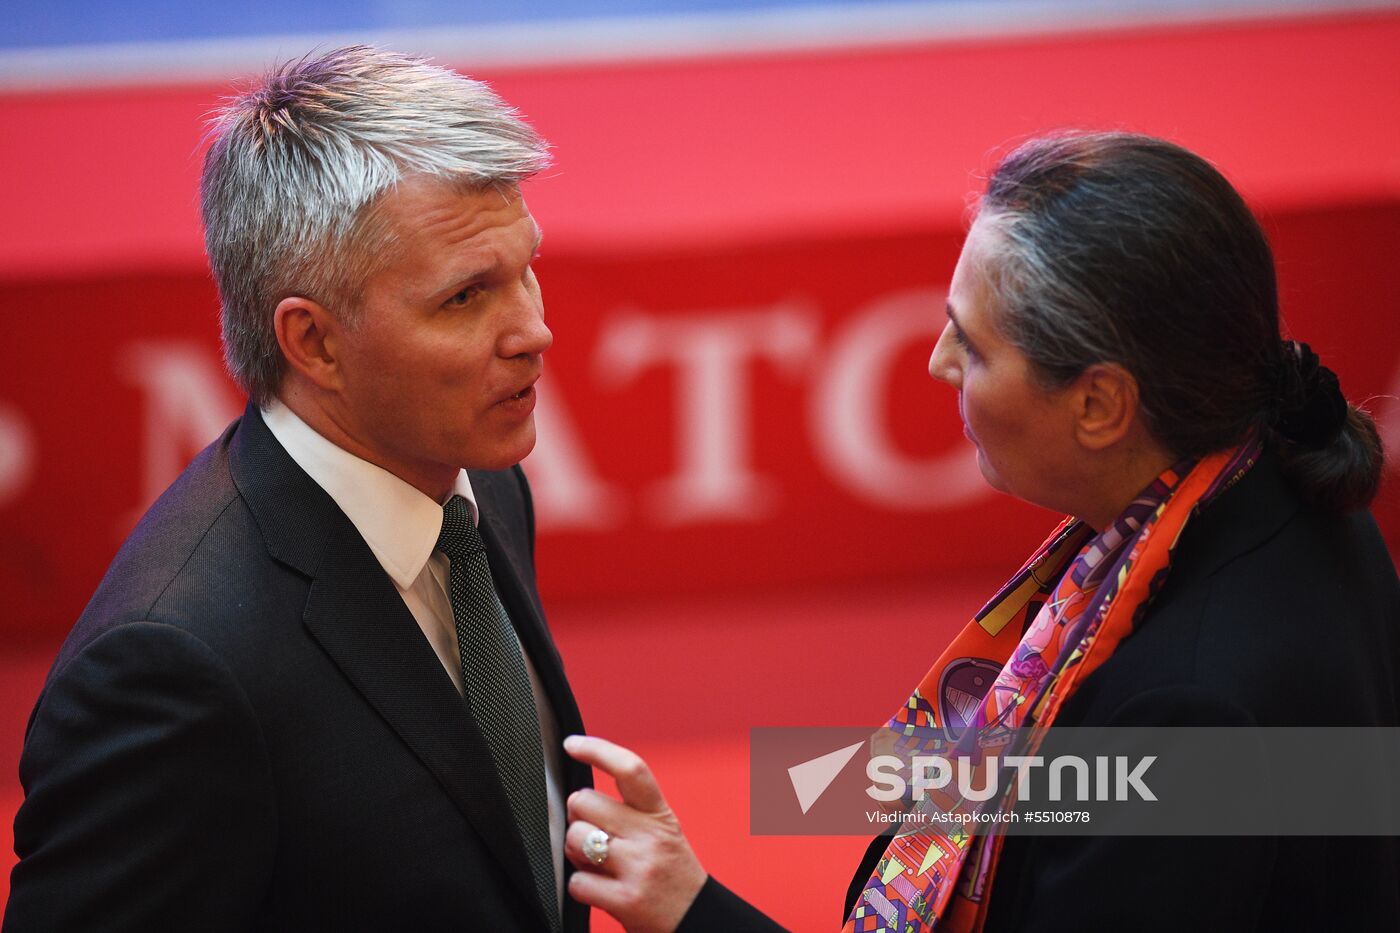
(528,336)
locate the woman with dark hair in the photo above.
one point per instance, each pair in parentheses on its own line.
(1113,334)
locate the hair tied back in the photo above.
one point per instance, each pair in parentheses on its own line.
(1311,408)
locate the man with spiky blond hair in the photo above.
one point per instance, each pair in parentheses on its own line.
(315,689)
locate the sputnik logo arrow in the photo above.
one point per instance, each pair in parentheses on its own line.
(810,779)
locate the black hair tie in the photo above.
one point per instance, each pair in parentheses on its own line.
(1312,409)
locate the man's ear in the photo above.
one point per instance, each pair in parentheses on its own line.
(1106,397)
(309,336)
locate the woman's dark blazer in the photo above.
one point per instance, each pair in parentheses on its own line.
(1274,614)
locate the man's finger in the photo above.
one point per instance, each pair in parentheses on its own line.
(634,781)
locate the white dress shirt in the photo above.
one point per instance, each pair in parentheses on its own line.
(401,527)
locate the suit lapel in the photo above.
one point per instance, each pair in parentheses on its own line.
(358,617)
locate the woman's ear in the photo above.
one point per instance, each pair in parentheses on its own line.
(309,335)
(1106,397)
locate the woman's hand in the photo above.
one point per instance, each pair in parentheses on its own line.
(649,877)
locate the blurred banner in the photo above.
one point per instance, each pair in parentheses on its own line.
(78,42)
(744,266)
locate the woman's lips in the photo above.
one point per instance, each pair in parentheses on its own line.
(967,432)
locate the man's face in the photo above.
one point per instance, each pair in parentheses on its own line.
(439,373)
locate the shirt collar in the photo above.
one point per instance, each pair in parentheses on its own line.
(399,523)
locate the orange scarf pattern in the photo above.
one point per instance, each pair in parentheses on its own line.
(997,677)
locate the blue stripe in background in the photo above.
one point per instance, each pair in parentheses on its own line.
(83,22)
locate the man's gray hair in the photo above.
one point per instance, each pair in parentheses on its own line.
(297,165)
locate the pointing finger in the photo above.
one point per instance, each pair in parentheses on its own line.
(634,779)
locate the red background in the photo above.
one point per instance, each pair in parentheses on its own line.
(827,182)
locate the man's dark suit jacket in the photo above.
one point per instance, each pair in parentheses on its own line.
(1274,614)
(247,730)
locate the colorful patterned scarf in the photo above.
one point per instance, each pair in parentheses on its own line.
(996,678)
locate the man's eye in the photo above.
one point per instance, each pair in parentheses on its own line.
(465,295)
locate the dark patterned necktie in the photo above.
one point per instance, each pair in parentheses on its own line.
(498,692)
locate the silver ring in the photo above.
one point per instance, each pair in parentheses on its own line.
(595,846)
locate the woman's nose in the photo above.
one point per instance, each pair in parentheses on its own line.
(943,362)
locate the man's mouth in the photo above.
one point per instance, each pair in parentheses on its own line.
(525,395)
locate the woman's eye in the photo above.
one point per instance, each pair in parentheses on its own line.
(964,343)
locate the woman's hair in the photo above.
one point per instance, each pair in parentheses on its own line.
(1114,247)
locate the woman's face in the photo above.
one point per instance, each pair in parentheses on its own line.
(1024,434)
